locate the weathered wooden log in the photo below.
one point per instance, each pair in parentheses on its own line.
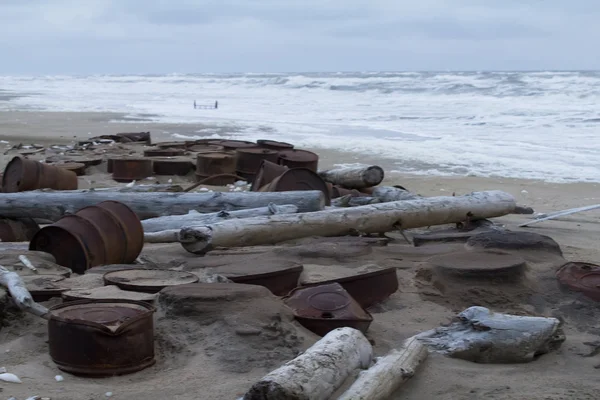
(319,371)
(19,293)
(390,193)
(194,218)
(4,246)
(53,205)
(375,218)
(359,177)
(385,377)
(162,187)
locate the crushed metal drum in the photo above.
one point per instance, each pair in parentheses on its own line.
(17,229)
(369,288)
(22,175)
(78,168)
(279,277)
(205,148)
(581,277)
(265,174)
(101,337)
(131,169)
(233,144)
(172,166)
(274,145)
(88,161)
(248,161)
(215,163)
(324,308)
(110,292)
(294,158)
(164,152)
(480,264)
(298,179)
(107,233)
(148,280)
(44,287)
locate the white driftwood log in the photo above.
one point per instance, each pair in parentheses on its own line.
(482,336)
(385,377)
(359,177)
(390,193)
(19,293)
(53,205)
(319,371)
(375,218)
(194,218)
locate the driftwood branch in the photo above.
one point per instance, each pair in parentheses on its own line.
(385,377)
(319,371)
(19,293)
(54,205)
(376,218)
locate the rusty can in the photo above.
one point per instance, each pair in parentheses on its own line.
(249,160)
(78,168)
(233,144)
(215,163)
(22,175)
(171,145)
(17,229)
(164,152)
(131,169)
(299,159)
(101,337)
(266,173)
(171,166)
(274,145)
(298,179)
(107,233)
(324,308)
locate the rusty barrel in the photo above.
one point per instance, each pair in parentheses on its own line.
(164,152)
(131,169)
(171,165)
(101,337)
(266,173)
(274,145)
(249,160)
(78,168)
(299,159)
(107,233)
(17,229)
(22,175)
(298,179)
(171,145)
(205,148)
(215,163)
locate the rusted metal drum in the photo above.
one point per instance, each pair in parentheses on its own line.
(274,145)
(324,308)
(299,159)
(21,175)
(101,337)
(87,160)
(336,191)
(280,277)
(171,145)
(248,161)
(581,277)
(78,168)
(131,169)
(205,148)
(233,144)
(190,143)
(215,163)
(164,152)
(298,179)
(172,166)
(18,229)
(148,280)
(266,173)
(107,233)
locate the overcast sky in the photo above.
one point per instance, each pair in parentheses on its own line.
(155,36)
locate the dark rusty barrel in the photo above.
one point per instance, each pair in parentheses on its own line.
(17,229)
(274,145)
(215,163)
(299,159)
(298,179)
(266,173)
(22,175)
(234,144)
(171,165)
(131,169)
(101,337)
(107,233)
(164,152)
(248,161)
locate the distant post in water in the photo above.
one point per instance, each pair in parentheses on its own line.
(194,104)
(216,104)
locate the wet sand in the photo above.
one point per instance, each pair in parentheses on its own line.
(187,372)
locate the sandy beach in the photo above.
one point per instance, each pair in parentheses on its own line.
(197,361)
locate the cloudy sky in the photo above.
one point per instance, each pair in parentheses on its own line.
(155,36)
